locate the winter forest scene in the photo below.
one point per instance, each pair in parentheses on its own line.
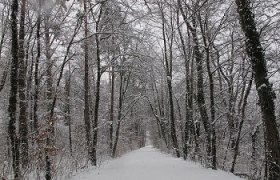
(139,89)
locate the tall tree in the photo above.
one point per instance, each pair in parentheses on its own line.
(86,84)
(111,113)
(168,60)
(200,73)
(23,125)
(207,46)
(36,70)
(265,92)
(98,84)
(67,106)
(14,140)
(50,120)
(120,108)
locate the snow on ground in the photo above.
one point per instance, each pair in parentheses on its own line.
(149,163)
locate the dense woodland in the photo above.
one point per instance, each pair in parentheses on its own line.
(83,81)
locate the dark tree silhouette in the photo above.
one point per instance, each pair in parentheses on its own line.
(266,95)
(13,92)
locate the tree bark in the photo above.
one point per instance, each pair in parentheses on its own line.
(50,120)
(121,97)
(254,169)
(36,71)
(97,90)
(188,97)
(200,82)
(86,86)
(111,118)
(67,109)
(207,44)
(168,69)
(212,110)
(12,109)
(266,95)
(23,124)
(200,91)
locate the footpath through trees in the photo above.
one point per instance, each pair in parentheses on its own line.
(150,164)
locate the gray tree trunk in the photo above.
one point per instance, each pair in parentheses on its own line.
(86,86)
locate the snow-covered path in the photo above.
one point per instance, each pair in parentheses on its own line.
(150,164)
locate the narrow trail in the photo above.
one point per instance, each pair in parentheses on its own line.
(149,163)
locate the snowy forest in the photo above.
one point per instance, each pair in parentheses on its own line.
(86,81)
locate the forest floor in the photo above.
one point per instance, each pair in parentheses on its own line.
(149,163)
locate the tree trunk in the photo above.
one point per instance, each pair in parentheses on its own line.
(172,120)
(36,71)
(254,136)
(111,118)
(237,142)
(67,109)
(86,87)
(23,124)
(188,97)
(121,96)
(204,28)
(200,91)
(50,120)
(97,93)
(264,88)
(13,93)
(200,82)
(168,69)
(29,78)
(212,110)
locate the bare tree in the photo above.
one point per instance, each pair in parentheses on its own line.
(23,125)
(86,84)
(14,139)
(264,88)
(199,68)
(36,69)
(98,83)
(168,61)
